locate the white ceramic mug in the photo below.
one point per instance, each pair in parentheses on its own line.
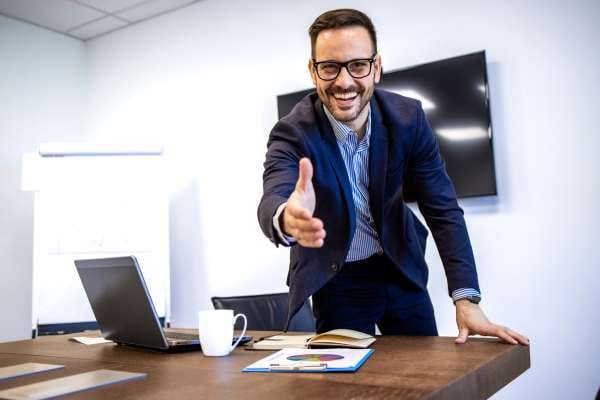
(215,328)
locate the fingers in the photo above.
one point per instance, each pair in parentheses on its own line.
(305,174)
(297,213)
(311,243)
(463,334)
(308,232)
(311,239)
(503,334)
(307,225)
(518,337)
(506,334)
(299,223)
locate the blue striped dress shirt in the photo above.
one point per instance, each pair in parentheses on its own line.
(355,153)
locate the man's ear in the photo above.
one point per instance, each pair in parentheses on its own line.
(378,68)
(311,71)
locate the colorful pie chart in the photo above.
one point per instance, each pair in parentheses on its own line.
(315,357)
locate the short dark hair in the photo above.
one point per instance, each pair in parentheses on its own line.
(342,17)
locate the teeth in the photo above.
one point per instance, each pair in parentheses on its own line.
(344,96)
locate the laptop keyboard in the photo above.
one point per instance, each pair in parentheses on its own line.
(181,336)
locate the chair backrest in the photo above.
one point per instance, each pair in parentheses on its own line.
(267,312)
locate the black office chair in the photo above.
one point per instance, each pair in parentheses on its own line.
(267,312)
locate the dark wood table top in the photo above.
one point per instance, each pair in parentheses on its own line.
(401,367)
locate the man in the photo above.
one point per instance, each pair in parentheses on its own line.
(333,180)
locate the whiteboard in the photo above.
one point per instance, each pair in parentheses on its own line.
(92,207)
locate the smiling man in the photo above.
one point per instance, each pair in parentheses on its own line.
(334,174)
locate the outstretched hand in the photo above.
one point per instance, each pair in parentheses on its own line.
(298,221)
(472,321)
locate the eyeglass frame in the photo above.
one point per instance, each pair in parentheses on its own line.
(341,65)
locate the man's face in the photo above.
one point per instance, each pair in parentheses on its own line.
(345,97)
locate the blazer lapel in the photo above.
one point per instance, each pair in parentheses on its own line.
(337,162)
(378,155)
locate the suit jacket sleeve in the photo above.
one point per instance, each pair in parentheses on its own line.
(437,202)
(284,151)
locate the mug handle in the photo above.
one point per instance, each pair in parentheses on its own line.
(235,317)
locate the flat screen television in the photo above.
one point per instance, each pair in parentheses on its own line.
(455,97)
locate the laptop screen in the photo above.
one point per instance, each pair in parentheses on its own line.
(121,302)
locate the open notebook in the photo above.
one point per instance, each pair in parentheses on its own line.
(335,338)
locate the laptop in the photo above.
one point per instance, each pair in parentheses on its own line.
(123,308)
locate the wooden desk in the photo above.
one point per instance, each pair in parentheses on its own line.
(401,367)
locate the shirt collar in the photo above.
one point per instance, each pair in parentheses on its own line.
(342,131)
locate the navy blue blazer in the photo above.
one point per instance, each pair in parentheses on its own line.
(402,147)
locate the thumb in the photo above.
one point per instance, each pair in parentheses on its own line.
(463,334)
(305,174)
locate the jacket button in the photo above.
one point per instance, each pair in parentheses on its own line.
(335,267)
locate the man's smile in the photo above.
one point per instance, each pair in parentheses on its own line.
(345,98)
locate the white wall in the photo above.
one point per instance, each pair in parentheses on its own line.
(203,81)
(42,87)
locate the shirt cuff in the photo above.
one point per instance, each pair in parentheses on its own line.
(285,239)
(464,292)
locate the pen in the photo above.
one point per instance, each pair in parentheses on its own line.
(272,338)
(298,367)
(269,337)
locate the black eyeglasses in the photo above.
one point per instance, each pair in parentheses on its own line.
(357,68)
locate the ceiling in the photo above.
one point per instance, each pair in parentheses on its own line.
(87,19)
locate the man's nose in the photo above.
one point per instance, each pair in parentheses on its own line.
(344,79)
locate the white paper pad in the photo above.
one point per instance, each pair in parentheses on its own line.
(69,384)
(26,369)
(90,340)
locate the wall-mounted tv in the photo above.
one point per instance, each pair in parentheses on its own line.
(454,94)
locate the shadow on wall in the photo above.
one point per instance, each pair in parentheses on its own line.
(188,275)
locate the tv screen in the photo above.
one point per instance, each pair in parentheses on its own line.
(454,95)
